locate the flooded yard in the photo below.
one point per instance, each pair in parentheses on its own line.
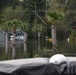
(34,48)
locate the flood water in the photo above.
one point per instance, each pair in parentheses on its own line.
(33,48)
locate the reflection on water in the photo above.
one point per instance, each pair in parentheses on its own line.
(34,48)
(65,47)
(25,47)
(13,52)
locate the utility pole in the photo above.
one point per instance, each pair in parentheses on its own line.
(35,18)
(46,6)
(46,15)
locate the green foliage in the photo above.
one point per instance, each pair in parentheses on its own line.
(72,4)
(4,3)
(73,32)
(54,16)
(58,12)
(9,13)
(31,6)
(72,35)
(24,27)
(54,5)
(14,23)
(72,39)
(36,55)
(71,19)
(45,49)
(9,25)
(6,26)
(37,28)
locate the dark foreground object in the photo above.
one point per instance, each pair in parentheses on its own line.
(33,67)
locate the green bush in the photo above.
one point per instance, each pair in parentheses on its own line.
(72,35)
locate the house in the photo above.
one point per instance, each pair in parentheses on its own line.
(19,35)
(2,36)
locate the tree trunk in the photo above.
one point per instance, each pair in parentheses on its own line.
(39,51)
(25,36)
(13,38)
(38,36)
(6,42)
(25,47)
(13,43)
(54,38)
(13,52)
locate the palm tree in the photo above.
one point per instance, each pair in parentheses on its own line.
(54,17)
(6,28)
(10,25)
(14,24)
(25,28)
(38,28)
